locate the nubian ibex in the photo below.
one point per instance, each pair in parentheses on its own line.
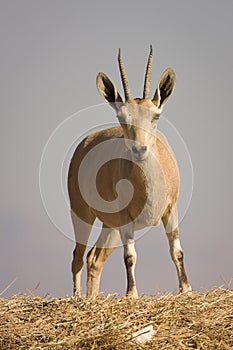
(136,181)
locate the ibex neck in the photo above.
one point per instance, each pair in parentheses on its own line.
(147,170)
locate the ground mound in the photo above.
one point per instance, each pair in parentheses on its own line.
(193,321)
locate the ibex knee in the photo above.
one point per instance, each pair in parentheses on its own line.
(90,257)
(94,263)
(178,256)
(130,260)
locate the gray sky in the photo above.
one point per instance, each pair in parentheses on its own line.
(51,52)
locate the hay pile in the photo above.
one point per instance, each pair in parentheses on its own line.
(195,321)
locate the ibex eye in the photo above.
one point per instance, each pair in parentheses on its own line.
(156,117)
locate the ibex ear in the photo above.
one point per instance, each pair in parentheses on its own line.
(107,89)
(165,88)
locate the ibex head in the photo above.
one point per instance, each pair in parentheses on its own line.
(138,117)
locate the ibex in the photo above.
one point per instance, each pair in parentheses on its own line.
(136,185)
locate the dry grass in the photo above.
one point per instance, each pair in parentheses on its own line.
(195,321)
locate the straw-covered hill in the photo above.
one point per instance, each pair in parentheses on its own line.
(194,321)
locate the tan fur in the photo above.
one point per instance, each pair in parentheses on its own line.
(155,178)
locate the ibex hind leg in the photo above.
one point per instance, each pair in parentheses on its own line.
(97,256)
(82,230)
(170,222)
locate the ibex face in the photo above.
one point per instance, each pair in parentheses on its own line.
(138,117)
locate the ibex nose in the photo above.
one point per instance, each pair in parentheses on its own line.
(139,150)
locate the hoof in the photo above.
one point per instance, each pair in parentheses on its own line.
(186,289)
(132,293)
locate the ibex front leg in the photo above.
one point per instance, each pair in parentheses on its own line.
(170,221)
(130,256)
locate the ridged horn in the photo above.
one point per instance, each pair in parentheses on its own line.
(146,91)
(124,77)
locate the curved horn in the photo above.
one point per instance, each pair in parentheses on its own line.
(146,91)
(124,77)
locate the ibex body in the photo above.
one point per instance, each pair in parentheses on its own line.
(133,153)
